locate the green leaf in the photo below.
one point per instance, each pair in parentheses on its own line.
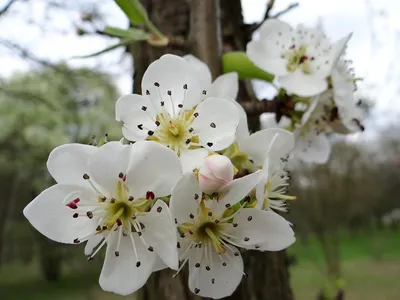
(134,10)
(122,43)
(131,33)
(239,62)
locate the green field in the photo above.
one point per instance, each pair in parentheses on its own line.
(366,277)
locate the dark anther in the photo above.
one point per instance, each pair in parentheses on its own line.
(236,253)
(150,249)
(139,233)
(197,265)
(138,264)
(235,224)
(213,280)
(89,214)
(147,92)
(119,222)
(130,198)
(180,105)
(159,209)
(76,241)
(178,245)
(210,214)
(228,205)
(116,253)
(196,196)
(247,199)
(140,126)
(150,132)
(112,200)
(204,92)
(196,114)
(249,218)
(196,290)
(191,129)
(208,268)
(212,125)
(156,84)
(150,195)
(144,108)
(246,239)
(216,221)
(169,93)
(86,176)
(157,123)
(162,103)
(75,215)
(98,228)
(104,227)
(209,144)
(188,141)
(185,86)
(120,175)
(191,216)
(176,221)
(224,264)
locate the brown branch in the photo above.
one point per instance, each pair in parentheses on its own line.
(253,27)
(256,108)
(7,7)
(205,33)
(270,5)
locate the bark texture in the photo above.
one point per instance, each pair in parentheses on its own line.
(195,21)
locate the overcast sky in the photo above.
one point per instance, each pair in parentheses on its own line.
(375,25)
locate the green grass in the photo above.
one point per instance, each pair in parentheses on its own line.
(366,278)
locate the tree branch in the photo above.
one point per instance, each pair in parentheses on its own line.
(205,33)
(7,7)
(256,108)
(253,27)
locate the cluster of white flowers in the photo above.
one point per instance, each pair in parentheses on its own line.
(314,73)
(193,186)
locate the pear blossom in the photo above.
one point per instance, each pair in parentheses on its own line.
(179,110)
(301,59)
(211,231)
(216,171)
(108,196)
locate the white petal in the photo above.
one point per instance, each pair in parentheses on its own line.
(312,147)
(120,274)
(192,159)
(260,187)
(226,277)
(339,47)
(185,198)
(107,163)
(225,86)
(68,163)
(153,167)
(171,73)
(259,227)
(216,124)
(235,191)
(258,144)
(160,233)
(276,38)
(201,69)
(159,265)
(242,130)
(50,216)
(92,243)
(303,85)
(135,110)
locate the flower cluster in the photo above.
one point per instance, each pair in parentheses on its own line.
(192,186)
(318,82)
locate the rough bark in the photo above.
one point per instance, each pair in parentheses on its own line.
(268,276)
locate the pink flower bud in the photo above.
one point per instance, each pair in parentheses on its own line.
(216,171)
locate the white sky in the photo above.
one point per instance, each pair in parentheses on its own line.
(375,25)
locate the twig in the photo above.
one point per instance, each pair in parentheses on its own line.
(253,27)
(254,108)
(270,5)
(7,7)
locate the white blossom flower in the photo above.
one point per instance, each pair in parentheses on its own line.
(108,195)
(215,172)
(172,111)
(301,58)
(211,230)
(274,181)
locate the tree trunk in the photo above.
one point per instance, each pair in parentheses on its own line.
(268,276)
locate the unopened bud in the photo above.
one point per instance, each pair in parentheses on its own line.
(216,171)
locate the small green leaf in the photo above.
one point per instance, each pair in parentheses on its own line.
(239,62)
(131,33)
(134,10)
(122,43)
